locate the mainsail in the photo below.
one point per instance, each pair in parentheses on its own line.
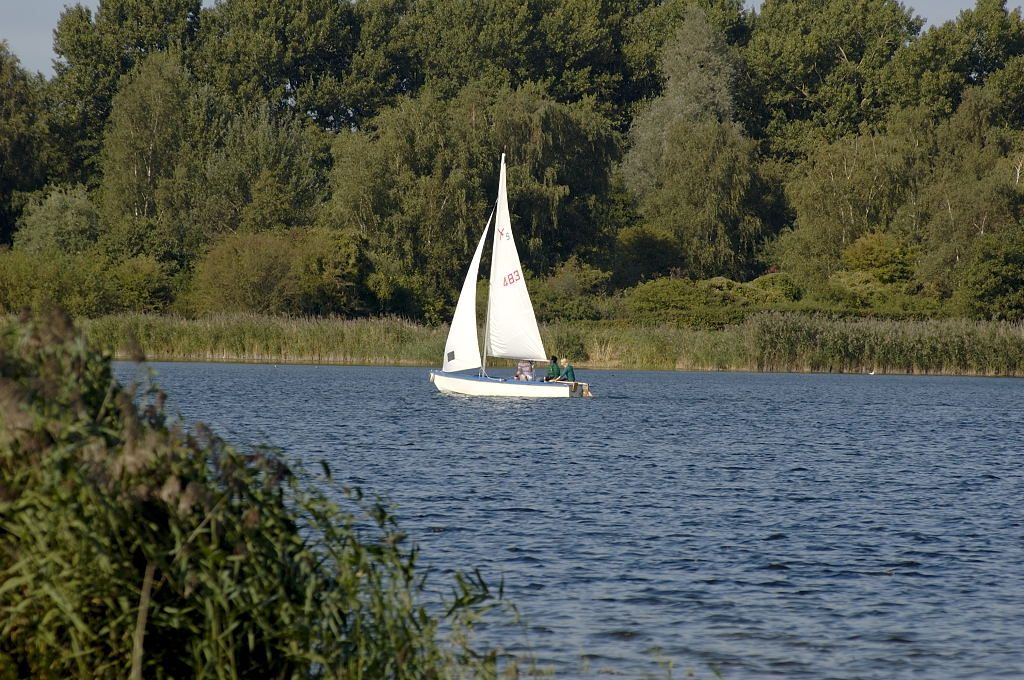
(511,325)
(462,349)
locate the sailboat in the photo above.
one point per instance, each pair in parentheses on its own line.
(510,328)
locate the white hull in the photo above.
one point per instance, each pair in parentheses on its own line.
(477,386)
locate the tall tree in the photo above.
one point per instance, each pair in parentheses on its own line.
(853,186)
(290,55)
(934,70)
(690,165)
(22,138)
(574,47)
(382,65)
(140,149)
(975,191)
(93,52)
(648,30)
(265,171)
(818,66)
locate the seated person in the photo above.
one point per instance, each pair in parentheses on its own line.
(553,370)
(566,374)
(524,370)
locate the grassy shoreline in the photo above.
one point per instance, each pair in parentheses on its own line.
(774,342)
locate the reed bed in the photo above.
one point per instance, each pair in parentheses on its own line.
(255,338)
(789,342)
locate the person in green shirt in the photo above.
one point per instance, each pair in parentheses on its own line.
(553,370)
(566,374)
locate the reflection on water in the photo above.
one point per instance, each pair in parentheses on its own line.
(760,525)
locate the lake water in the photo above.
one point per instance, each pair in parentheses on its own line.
(797,526)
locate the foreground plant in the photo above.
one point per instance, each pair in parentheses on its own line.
(130,547)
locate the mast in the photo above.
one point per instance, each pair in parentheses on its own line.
(487,316)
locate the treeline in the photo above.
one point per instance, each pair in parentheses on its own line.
(339,158)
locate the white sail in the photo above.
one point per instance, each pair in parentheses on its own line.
(511,325)
(462,349)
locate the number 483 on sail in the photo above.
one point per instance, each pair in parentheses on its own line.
(511,278)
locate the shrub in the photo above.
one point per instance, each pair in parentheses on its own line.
(244,272)
(129,547)
(641,253)
(326,274)
(138,284)
(61,219)
(882,255)
(87,284)
(569,343)
(574,291)
(296,271)
(775,288)
(703,304)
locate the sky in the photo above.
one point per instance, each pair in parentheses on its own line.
(27,25)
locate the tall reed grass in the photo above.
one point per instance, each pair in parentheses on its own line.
(770,341)
(131,548)
(256,338)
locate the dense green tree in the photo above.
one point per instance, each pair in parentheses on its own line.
(936,188)
(455,42)
(575,48)
(690,165)
(584,40)
(290,55)
(254,171)
(382,66)
(93,52)
(883,156)
(22,137)
(993,286)
(818,68)
(934,70)
(976,190)
(842,191)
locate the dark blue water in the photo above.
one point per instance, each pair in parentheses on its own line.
(798,526)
